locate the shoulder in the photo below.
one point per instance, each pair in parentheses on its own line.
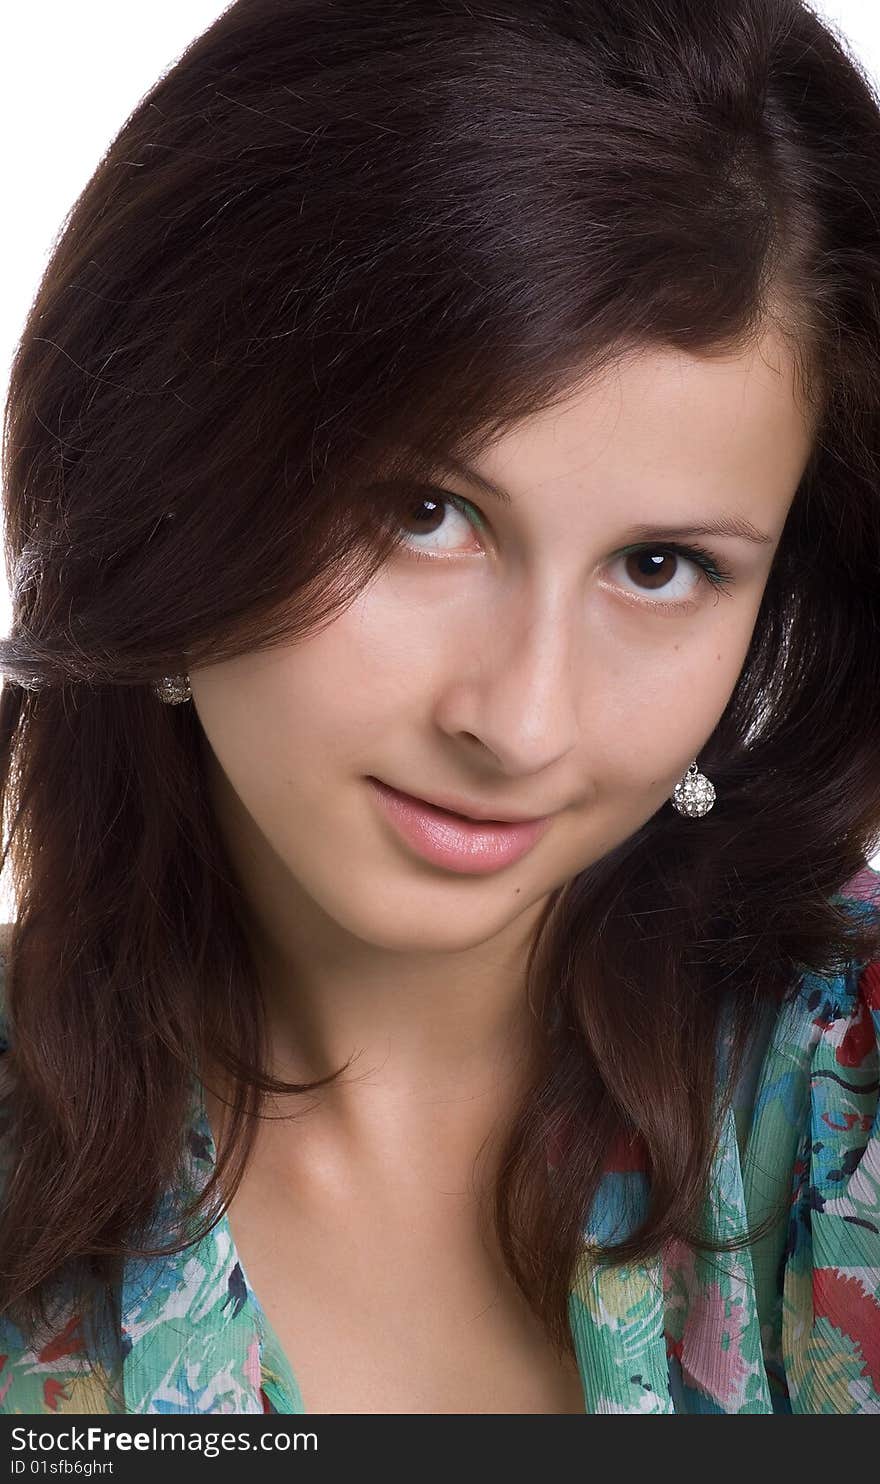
(5,935)
(832,1281)
(828,1021)
(862,891)
(5,1075)
(33,1378)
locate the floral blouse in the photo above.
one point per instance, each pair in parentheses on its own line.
(789,1324)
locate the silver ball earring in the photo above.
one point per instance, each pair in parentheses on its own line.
(173,689)
(693,794)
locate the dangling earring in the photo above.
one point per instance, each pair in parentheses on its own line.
(693,794)
(173,689)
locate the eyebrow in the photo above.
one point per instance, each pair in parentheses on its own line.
(724,525)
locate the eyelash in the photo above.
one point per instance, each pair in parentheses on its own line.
(716,574)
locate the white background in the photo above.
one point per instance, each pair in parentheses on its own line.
(71,71)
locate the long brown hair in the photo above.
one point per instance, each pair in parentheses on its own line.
(332,245)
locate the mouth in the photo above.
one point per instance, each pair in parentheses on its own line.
(456,841)
(458,810)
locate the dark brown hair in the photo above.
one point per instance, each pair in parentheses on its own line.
(332,245)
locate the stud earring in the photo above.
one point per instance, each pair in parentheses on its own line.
(173,689)
(694,794)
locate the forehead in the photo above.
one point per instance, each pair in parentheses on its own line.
(663,419)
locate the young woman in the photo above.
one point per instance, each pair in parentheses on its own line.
(441,726)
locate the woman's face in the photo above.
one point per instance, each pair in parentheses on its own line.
(518,654)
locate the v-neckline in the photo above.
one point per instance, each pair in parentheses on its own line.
(279,1365)
(599,1301)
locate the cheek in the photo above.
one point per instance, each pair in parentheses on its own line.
(658,708)
(328,698)
(358,681)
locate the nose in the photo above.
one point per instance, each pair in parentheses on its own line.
(517,692)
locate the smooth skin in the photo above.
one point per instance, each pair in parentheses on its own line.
(511,653)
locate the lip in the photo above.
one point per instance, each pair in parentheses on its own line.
(469,846)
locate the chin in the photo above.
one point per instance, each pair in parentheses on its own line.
(400,921)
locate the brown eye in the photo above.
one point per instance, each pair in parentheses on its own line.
(424,515)
(434,524)
(676,572)
(651,567)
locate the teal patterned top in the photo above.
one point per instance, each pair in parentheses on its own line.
(790,1323)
